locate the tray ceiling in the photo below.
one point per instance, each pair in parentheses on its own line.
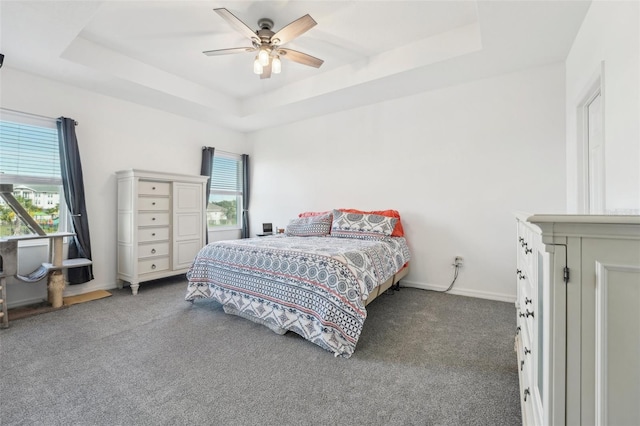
(150,52)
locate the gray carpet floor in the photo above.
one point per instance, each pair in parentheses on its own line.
(423,358)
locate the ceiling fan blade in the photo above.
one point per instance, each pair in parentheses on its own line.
(238,24)
(293,30)
(266,71)
(229,51)
(301,58)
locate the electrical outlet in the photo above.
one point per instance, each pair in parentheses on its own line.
(458,261)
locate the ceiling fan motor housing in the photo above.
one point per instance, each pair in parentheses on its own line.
(265,32)
(265,24)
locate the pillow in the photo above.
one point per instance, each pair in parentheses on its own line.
(361,226)
(309,214)
(311,226)
(398,231)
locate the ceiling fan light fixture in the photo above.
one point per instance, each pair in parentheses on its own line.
(257,66)
(263,56)
(276,65)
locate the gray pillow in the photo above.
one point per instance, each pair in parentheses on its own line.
(361,226)
(312,226)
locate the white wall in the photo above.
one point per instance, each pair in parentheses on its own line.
(609,33)
(455,163)
(112,135)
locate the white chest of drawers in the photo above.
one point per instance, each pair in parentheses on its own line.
(161,224)
(578,327)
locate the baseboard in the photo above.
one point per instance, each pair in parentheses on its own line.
(75,290)
(69,290)
(501,297)
(24,302)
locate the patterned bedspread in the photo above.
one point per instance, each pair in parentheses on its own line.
(313,286)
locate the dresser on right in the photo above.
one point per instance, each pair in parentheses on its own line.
(578,319)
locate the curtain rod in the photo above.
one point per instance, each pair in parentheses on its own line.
(29,114)
(219,151)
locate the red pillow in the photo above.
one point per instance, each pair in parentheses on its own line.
(398,231)
(308,214)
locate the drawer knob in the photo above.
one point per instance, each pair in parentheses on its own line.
(153,218)
(521,365)
(527,351)
(153,251)
(153,235)
(526,393)
(154,267)
(153,188)
(527,301)
(153,203)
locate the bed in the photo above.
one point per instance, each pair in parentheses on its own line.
(315,280)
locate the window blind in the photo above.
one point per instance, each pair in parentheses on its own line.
(226,174)
(29,150)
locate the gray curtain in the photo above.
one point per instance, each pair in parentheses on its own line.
(73,186)
(245,196)
(205,170)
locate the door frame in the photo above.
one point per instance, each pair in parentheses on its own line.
(593,88)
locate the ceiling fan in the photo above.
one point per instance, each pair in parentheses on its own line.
(268,44)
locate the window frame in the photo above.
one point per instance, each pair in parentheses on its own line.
(238,193)
(20,118)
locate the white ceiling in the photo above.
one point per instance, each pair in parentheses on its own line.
(150,52)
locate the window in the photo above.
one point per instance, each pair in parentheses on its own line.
(225,199)
(29,160)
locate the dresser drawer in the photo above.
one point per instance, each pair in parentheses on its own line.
(525,355)
(147,266)
(147,187)
(153,219)
(525,289)
(153,249)
(525,322)
(153,203)
(146,235)
(527,252)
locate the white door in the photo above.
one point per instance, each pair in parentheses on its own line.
(595,152)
